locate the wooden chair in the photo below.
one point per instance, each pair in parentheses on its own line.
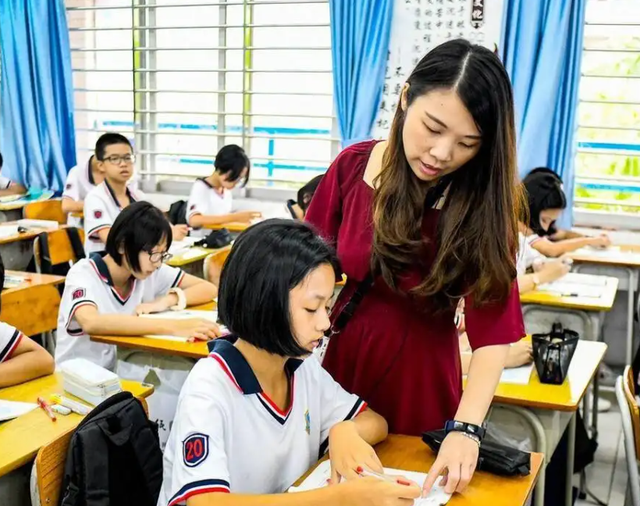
(630,414)
(49,468)
(213,264)
(60,248)
(45,210)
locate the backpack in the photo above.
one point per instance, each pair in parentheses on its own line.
(178,213)
(216,239)
(114,457)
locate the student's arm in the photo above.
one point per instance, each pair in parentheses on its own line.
(550,271)
(556,249)
(561,235)
(202,220)
(28,361)
(197,291)
(96,324)
(72,206)
(102,234)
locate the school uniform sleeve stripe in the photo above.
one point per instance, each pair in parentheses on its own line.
(12,345)
(75,307)
(357,408)
(199,487)
(193,212)
(178,280)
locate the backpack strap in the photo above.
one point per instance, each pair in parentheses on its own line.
(45,254)
(76,243)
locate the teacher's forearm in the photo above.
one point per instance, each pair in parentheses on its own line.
(485,369)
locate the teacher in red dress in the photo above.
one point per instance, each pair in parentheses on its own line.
(433,213)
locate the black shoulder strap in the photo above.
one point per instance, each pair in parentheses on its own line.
(433,195)
(76,243)
(45,254)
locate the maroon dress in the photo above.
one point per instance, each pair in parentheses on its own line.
(396,352)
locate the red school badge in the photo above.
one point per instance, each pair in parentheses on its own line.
(195,449)
(97,214)
(78,294)
(68,186)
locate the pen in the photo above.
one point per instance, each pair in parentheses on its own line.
(46,408)
(373,474)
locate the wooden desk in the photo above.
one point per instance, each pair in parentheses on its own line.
(411,454)
(30,234)
(231,227)
(32,307)
(20,439)
(194,350)
(25,200)
(602,303)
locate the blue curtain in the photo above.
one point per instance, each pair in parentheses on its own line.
(36,94)
(542,50)
(360,33)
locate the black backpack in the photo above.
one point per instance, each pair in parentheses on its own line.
(114,457)
(178,213)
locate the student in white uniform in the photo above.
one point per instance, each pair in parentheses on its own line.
(80,181)
(103,203)
(21,359)
(104,293)
(210,200)
(256,414)
(8,187)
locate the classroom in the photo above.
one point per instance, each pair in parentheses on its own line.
(319,252)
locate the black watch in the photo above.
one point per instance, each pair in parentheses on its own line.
(468,428)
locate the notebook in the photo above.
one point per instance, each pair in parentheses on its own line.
(182,315)
(318,479)
(12,409)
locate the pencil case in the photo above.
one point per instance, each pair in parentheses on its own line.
(88,381)
(552,353)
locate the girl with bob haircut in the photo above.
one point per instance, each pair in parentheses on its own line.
(255,415)
(420,221)
(105,293)
(547,200)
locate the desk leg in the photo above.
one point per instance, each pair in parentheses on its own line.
(541,446)
(571,452)
(630,315)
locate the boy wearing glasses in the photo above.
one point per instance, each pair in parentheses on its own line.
(105,293)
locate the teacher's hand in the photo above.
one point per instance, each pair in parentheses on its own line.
(456,462)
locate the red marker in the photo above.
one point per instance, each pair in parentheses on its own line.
(373,474)
(46,408)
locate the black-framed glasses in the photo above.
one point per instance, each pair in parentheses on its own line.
(158,257)
(117,159)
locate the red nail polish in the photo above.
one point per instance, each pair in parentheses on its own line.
(403,482)
(359,470)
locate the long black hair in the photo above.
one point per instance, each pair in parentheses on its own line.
(544,191)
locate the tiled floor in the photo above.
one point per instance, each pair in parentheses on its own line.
(607,475)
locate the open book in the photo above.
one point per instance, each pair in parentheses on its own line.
(318,479)
(181,315)
(12,409)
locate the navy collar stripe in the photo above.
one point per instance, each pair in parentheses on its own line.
(281,420)
(90,172)
(97,262)
(112,194)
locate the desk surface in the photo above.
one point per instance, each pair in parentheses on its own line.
(32,233)
(602,303)
(411,454)
(622,255)
(31,279)
(565,397)
(189,256)
(194,350)
(21,438)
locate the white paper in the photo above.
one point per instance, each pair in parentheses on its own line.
(584,279)
(8,230)
(318,479)
(517,375)
(611,253)
(11,281)
(182,315)
(12,409)
(185,244)
(563,289)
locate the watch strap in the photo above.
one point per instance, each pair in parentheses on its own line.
(467,428)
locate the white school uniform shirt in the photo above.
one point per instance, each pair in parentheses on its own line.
(101,208)
(527,255)
(10,338)
(79,183)
(5,183)
(205,199)
(89,283)
(229,436)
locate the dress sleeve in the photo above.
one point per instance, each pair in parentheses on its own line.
(493,324)
(325,211)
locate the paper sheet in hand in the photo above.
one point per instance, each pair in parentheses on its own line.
(181,315)
(517,375)
(11,409)
(318,479)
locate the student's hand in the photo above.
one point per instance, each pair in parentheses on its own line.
(552,270)
(348,451)
(456,462)
(601,241)
(370,491)
(179,232)
(157,306)
(196,329)
(520,353)
(246,216)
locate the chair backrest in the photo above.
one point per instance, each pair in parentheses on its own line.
(213,264)
(60,248)
(631,431)
(49,468)
(45,210)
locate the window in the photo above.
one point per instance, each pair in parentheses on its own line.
(608,163)
(182,79)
